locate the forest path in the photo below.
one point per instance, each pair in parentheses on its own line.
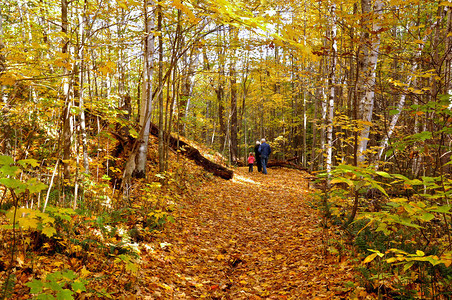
(253,237)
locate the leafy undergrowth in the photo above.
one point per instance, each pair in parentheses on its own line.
(253,237)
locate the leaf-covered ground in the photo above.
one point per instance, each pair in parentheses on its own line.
(253,237)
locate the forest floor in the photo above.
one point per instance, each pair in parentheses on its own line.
(253,237)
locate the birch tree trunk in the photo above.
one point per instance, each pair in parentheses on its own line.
(331,99)
(136,164)
(368,99)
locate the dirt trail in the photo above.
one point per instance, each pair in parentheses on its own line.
(253,237)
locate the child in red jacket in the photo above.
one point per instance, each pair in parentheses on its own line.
(251,161)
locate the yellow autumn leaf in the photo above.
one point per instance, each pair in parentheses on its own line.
(392,259)
(57,263)
(447,262)
(122,4)
(84,272)
(20,259)
(370,258)
(8,78)
(165,286)
(177,4)
(49,231)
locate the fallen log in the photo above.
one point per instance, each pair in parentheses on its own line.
(126,142)
(194,154)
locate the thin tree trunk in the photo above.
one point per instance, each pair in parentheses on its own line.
(315,124)
(220,97)
(66,117)
(160,96)
(2,61)
(82,21)
(121,61)
(331,100)
(233,80)
(173,86)
(304,152)
(136,164)
(370,75)
(186,87)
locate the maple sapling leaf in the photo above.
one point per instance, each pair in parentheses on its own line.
(65,294)
(8,170)
(78,286)
(6,160)
(49,231)
(35,286)
(29,161)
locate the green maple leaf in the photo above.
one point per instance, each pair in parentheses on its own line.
(78,286)
(35,286)
(65,295)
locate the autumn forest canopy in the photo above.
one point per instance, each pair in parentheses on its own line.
(114,114)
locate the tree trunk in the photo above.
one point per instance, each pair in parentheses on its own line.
(161,146)
(331,100)
(173,86)
(2,45)
(372,45)
(190,62)
(304,151)
(233,80)
(121,59)
(66,117)
(315,124)
(3,97)
(81,51)
(136,164)
(243,115)
(220,97)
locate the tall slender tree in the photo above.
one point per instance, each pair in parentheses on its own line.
(371,53)
(136,163)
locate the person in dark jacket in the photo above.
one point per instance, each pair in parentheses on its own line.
(257,156)
(264,151)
